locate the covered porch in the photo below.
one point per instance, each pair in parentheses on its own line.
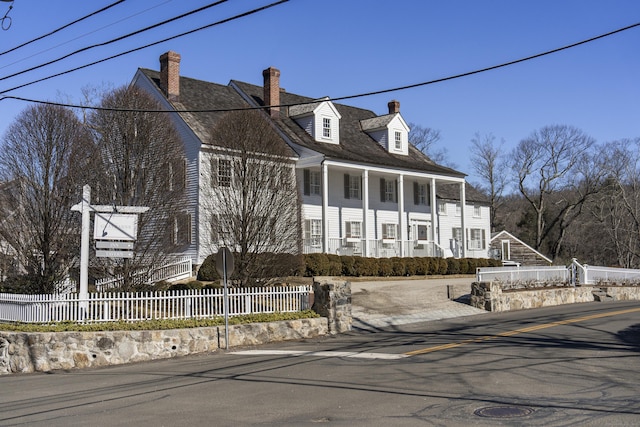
(376,212)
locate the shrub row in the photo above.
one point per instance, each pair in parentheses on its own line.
(335,265)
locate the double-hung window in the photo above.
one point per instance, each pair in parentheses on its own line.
(398,140)
(224,172)
(313,233)
(326,127)
(389,231)
(312,183)
(352,187)
(420,194)
(388,190)
(477,211)
(476,239)
(353,229)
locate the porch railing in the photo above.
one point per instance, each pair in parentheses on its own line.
(376,248)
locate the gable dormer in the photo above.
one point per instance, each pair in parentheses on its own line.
(320,119)
(390,130)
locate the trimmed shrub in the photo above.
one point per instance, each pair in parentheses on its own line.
(365,266)
(207,271)
(316,265)
(348,266)
(422,266)
(385,267)
(398,267)
(335,265)
(411,265)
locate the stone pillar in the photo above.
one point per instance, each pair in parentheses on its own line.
(332,299)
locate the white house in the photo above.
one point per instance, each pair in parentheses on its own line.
(365,189)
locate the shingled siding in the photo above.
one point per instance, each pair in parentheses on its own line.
(519,252)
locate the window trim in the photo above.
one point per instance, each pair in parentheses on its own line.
(226,179)
(397,137)
(327,127)
(349,231)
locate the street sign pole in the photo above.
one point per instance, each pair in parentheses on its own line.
(224,266)
(84,250)
(226,300)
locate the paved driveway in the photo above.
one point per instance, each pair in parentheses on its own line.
(385,303)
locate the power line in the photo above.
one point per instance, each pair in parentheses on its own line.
(242,15)
(361,95)
(63,27)
(95,30)
(117,39)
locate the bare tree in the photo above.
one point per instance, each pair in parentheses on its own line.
(253,200)
(556,160)
(490,164)
(142,164)
(425,140)
(46,155)
(617,207)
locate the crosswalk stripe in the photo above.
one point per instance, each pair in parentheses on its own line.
(350,354)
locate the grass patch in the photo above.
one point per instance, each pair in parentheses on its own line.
(155,324)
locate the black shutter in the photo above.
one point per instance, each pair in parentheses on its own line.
(416,193)
(382,190)
(395,199)
(346,186)
(307,182)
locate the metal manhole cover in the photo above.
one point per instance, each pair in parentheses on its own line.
(503,411)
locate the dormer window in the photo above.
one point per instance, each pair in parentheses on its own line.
(390,131)
(319,119)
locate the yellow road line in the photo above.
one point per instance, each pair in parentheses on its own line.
(520,331)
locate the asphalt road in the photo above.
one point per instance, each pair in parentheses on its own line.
(570,365)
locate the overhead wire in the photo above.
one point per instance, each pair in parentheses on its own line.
(63,27)
(241,15)
(361,95)
(95,30)
(117,39)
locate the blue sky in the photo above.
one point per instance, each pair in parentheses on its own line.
(344,47)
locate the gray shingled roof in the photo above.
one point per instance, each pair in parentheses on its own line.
(355,144)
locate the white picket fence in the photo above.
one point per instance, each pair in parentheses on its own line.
(178,269)
(137,306)
(574,273)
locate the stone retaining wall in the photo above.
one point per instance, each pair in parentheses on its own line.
(46,351)
(491,296)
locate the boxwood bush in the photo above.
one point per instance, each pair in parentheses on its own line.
(355,266)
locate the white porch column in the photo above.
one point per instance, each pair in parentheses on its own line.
(402,223)
(325,208)
(434,211)
(365,212)
(463,215)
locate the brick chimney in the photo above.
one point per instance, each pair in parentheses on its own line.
(394,107)
(170,75)
(272,91)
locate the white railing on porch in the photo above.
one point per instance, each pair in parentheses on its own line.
(137,306)
(376,248)
(180,268)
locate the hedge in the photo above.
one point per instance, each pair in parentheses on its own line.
(354,266)
(333,265)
